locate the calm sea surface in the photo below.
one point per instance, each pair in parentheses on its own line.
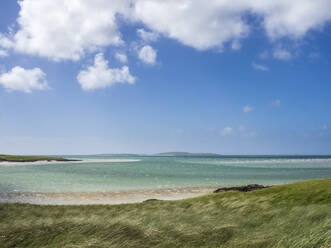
(160,172)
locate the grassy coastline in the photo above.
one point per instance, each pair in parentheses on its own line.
(293,215)
(16,158)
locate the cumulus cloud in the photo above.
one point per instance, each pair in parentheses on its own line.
(65,29)
(26,80)
(100,75)
(147,36)
(147,54)
(226,131)
(121,57)
(205,26)
(194,23)
(247,108)
(260,67)
(5,42)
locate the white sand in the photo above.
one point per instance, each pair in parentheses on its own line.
(5,163)
(105,198)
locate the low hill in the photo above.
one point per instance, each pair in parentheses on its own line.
(187,154)
(294,215)
(16,158)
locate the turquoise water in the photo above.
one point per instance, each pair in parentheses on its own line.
(160,172)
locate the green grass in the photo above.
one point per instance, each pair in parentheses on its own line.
(16,158)
(293,215)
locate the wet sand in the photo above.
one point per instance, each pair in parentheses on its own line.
(108,198)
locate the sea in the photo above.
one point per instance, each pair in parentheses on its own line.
(115,173)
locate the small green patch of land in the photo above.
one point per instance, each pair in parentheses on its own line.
(294,215)
(16,158)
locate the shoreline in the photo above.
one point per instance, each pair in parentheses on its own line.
(105,198)
(43,162)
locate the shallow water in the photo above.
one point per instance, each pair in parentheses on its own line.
(160,172)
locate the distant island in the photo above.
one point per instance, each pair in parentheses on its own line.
(163,154)
(16,158)
(187,154)
(119,154)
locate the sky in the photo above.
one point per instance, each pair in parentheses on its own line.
(148,76)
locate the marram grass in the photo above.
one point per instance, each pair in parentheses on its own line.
(294,215)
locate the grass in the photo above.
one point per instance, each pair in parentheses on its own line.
(294,215)
(16,158)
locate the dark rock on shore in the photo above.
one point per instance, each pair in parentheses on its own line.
(149,200)
(245,188)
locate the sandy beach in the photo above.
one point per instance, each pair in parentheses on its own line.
(5,163)
(105,198)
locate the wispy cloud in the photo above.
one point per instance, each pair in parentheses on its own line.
(314,55)
(147,36)
(282,54)
(248,108)
(226,131)
(324,127)
(241,131)
(121,57)
(264,55)
(260,67)
(276,102)
(3,53)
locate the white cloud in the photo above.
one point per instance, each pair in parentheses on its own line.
(291,18)
(100,75)
(147,54)
(282,54)
(5,42)
(276,103)
(260,67)
(147,36)
(226,131)
(25,80)
(3,53)
(67,29)
(194,23)
(205,26)
(121,57)
(247,108)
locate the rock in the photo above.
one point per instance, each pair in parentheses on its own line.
(148,200)
(246,188)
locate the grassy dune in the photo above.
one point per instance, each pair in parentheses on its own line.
(16,158)
(294,215)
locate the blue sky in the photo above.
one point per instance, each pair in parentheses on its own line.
(252,78)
